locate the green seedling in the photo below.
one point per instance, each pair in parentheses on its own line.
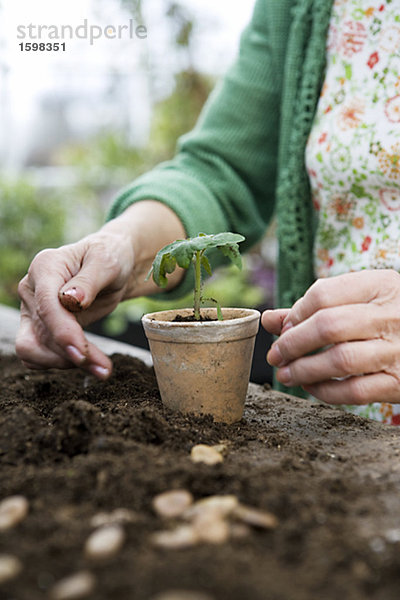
(191,251)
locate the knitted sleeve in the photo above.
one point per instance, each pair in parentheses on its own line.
(223,176)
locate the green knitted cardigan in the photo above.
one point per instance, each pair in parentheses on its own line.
(245,159)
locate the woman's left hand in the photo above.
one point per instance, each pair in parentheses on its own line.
(353,320)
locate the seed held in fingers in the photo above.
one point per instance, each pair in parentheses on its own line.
(105,542)
(13,510)
(72,299)
(201,453)
(172,504)
(10,567)
(76,586)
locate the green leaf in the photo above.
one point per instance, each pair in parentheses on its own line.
(232,252)
(205,263)
(181,253)
(220,316)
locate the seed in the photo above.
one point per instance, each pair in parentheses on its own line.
(205,454)
(70,300)
(211,528)
(12,511)
(76,586)
(119,516)
(101,519)
(10,567)
(221,448)
(123,515)
(220,506)
(255,517)
(172,504)
(183,536)
(105,542)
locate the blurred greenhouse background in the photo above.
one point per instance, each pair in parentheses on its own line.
(77,125)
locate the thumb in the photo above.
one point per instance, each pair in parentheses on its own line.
(94,276)
(273,320)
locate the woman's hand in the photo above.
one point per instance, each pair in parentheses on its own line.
(88,278)
(353,320)
(72,286)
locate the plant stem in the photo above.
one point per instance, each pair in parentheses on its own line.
(197,285)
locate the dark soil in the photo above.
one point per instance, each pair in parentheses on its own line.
(74,447)
(191,319)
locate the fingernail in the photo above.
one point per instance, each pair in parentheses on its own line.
(100,372)
(274,356)
(284,376)
(288,325)
(75,355)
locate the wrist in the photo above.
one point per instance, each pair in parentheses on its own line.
(146,226)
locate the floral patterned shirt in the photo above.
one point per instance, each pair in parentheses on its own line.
(353,152)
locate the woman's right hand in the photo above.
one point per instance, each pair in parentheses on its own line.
(72,286)
(65,289)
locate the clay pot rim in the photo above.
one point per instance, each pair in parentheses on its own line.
(244,325)
(154,318)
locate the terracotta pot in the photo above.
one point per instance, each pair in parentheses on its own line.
(203,367)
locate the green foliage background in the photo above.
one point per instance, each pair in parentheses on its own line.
(29,220)
(33,218)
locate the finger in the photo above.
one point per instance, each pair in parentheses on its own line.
(71,343)
(38,356)
(32,353)
(42,317)
(365,389)
(272,320)
(49,334)
(98,363)
(350,288)
(53,338)
(328,326)
(104,305)
(80,291)
(340,360)
(54,327)
(29,365)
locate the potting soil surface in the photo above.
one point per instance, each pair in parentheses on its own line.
(75,447)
